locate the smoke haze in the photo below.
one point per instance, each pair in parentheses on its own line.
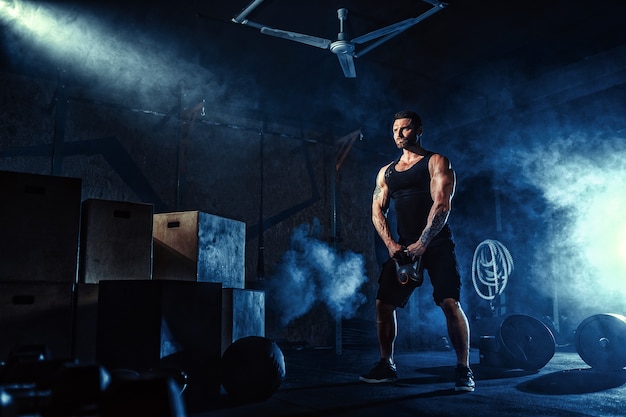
(550,142)
(311,272)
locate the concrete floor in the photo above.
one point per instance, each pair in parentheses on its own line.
(319,382)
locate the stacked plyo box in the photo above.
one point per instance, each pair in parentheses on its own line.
(113,282)
(40,220)
(147,325)
(197,246)
(115,244)
(115,241)
(194,306)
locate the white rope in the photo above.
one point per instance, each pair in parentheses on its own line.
(491,268)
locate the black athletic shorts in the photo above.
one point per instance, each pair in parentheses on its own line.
(441,266)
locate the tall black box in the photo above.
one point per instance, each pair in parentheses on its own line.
(115,241)
(40,220)
(85,322)
(36,313)
(163,324)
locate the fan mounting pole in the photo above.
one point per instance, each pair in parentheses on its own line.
(342,14)
(343,48)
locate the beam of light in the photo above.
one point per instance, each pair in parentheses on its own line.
(584,180)
(28,16)
(8,11)
(53,29)
(109,53)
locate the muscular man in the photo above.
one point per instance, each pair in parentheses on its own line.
(421,184)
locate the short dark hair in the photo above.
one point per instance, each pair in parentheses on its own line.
(408,114)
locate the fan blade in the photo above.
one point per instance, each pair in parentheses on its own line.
(245,12)
(393,30)
(297,37)
(403,25)
(347,65)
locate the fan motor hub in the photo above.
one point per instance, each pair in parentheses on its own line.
(342,47)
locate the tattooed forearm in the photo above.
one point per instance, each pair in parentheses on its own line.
(439,220)
(381,225)
(377,192)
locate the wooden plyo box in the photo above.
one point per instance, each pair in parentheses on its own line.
(196,246)
(40,221)
(115,241)
(36,313)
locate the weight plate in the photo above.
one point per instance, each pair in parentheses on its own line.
(601,341)
(527,342)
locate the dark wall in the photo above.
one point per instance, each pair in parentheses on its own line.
(264,170)
(178,107)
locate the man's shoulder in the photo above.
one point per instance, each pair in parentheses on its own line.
(436,156)
(387,165)
(430,154)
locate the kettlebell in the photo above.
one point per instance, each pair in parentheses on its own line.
(410,272)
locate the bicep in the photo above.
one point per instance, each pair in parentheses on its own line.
(443,180)
(380,197)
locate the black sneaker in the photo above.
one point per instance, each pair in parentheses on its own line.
(383,371)
(464,379)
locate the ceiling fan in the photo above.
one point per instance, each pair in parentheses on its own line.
(345,49)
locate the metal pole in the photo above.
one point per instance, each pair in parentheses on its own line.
(260,270)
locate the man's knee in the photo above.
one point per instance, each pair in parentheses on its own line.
(450,306)
(384,311)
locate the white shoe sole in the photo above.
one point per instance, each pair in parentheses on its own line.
(377,381)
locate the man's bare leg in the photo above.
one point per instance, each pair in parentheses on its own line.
(458,329)
(386,329)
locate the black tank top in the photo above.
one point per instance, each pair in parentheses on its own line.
(410,192)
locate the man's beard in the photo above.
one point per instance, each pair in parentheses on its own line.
(409,142)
